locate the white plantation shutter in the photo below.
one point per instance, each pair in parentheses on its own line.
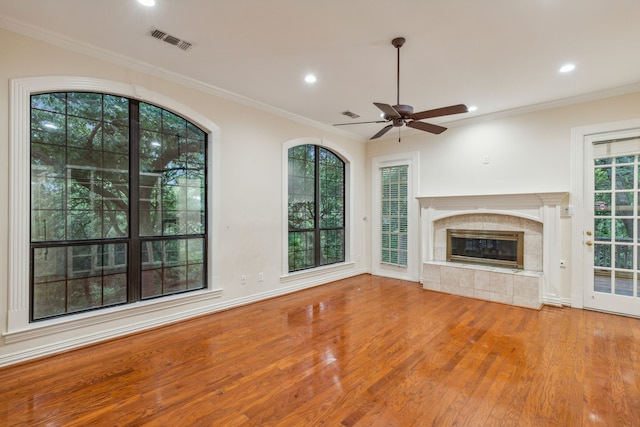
(394,211)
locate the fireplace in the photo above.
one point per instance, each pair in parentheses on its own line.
(535,214)
(490,247)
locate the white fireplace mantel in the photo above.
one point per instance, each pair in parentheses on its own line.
(521,204)
(543,207)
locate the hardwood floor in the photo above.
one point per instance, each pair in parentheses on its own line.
(366,351)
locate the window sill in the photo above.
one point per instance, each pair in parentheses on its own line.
(315,272)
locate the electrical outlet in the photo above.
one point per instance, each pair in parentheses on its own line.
(243,279)
(260,277)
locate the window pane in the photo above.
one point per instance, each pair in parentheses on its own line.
(331,246)
(77,278)
(602,255)
(602,204)
(624,230)
(602,178)
(48,127)
(85,105)
(171,266)
(602,280)
(624,257)
(301,250)
(623,283)
(602,229)
(624,204)
(48,160)
(624,177)
(56,102)
(150,117)
(116,111)
(84,133)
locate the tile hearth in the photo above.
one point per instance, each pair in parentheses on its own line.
(508,286)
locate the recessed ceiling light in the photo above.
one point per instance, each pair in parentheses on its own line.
(567,68)
(310,78)
(472,108)
(148,3)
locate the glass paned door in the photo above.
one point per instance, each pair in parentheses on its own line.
(612,242)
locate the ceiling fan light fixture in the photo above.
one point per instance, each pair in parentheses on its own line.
(472,108)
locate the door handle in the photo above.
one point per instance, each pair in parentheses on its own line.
(589,243)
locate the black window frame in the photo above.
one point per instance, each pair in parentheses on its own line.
(134,241)
(317,229)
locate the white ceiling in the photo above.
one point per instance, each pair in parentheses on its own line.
(500,55)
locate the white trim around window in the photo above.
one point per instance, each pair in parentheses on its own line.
(412,270)
(154,312)
(348,220)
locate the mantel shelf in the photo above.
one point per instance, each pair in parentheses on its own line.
(480,201)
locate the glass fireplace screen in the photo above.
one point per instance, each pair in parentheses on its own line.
(497,248)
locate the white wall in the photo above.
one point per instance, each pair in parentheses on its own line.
(529,152)
(250,219)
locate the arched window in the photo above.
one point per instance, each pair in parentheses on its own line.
(118,203)
(316,207)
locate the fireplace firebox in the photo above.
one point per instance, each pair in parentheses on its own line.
(489,247)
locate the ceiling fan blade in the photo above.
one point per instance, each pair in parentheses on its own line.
(427,127)
(388,110)
(444,111)
(382,132)
(360,123)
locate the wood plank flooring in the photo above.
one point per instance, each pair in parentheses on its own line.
(366,351)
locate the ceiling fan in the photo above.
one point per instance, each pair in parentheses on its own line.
(400,114)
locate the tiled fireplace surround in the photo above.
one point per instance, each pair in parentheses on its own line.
(537,214)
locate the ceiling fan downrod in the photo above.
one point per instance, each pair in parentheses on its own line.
(397,43)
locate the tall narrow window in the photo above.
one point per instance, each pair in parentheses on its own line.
(394,215)
(118,209)
(316,207)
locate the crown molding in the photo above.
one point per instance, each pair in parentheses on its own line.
(563,102)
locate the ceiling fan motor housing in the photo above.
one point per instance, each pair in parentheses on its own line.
(405,112)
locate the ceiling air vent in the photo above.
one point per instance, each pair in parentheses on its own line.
(172,40)
(350,114)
